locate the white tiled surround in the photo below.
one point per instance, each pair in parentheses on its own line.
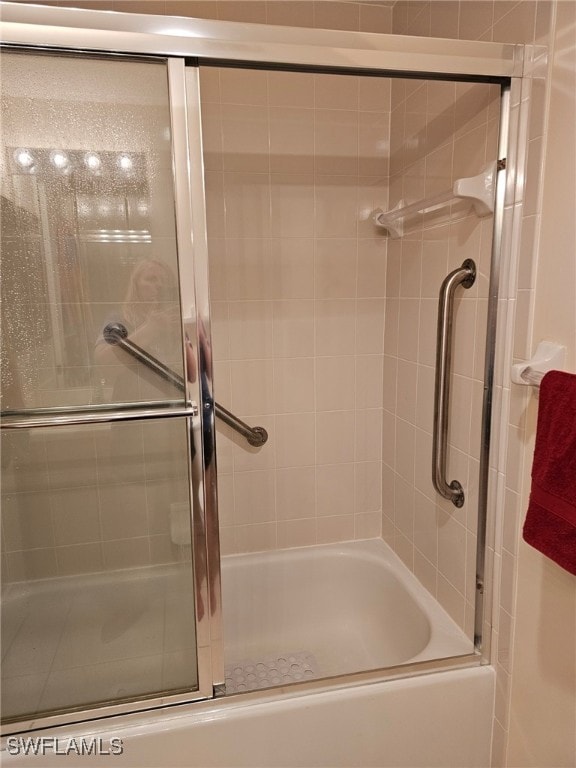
(295,163)
(284,339)
(440,131)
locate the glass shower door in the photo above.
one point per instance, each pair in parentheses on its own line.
(324,330)
(101,504)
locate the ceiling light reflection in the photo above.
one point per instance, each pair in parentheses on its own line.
(125,162)
(24,158)
(59,159)
(92,161)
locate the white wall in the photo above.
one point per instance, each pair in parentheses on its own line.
(542,730)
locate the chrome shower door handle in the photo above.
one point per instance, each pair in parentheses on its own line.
(464,276)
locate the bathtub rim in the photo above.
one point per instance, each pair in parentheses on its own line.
(203,710)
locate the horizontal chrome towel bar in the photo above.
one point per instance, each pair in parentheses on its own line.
(116,333)
(69,417)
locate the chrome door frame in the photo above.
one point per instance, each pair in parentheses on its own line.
(225,41)
(184,40)
(193,268)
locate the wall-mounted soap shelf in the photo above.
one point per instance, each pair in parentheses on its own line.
(548,357)
(479,189)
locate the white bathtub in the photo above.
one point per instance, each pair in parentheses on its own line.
(352,607)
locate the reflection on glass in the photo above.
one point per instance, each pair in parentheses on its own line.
(98,579)
(97,571)
(150,316)
(87,219)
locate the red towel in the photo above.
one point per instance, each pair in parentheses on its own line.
(550,524)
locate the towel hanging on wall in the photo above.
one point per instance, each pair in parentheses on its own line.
(550,524)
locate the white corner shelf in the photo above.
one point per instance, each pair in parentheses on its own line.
(479,189)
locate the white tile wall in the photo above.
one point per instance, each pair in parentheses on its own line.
(299,276)
(448,130)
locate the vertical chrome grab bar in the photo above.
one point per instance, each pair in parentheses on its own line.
(465,276)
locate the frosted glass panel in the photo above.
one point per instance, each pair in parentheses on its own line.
(88,231)
(97,567)
(98,584)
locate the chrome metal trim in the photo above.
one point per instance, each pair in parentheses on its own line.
(464,276)
(58,410)
(191,382)
(184,238)
(29,25)
(70,417)
(350,680)
(205,373)
(97,713)
(489,362)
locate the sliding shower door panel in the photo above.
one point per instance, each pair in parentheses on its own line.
(325,333)
(104,594)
